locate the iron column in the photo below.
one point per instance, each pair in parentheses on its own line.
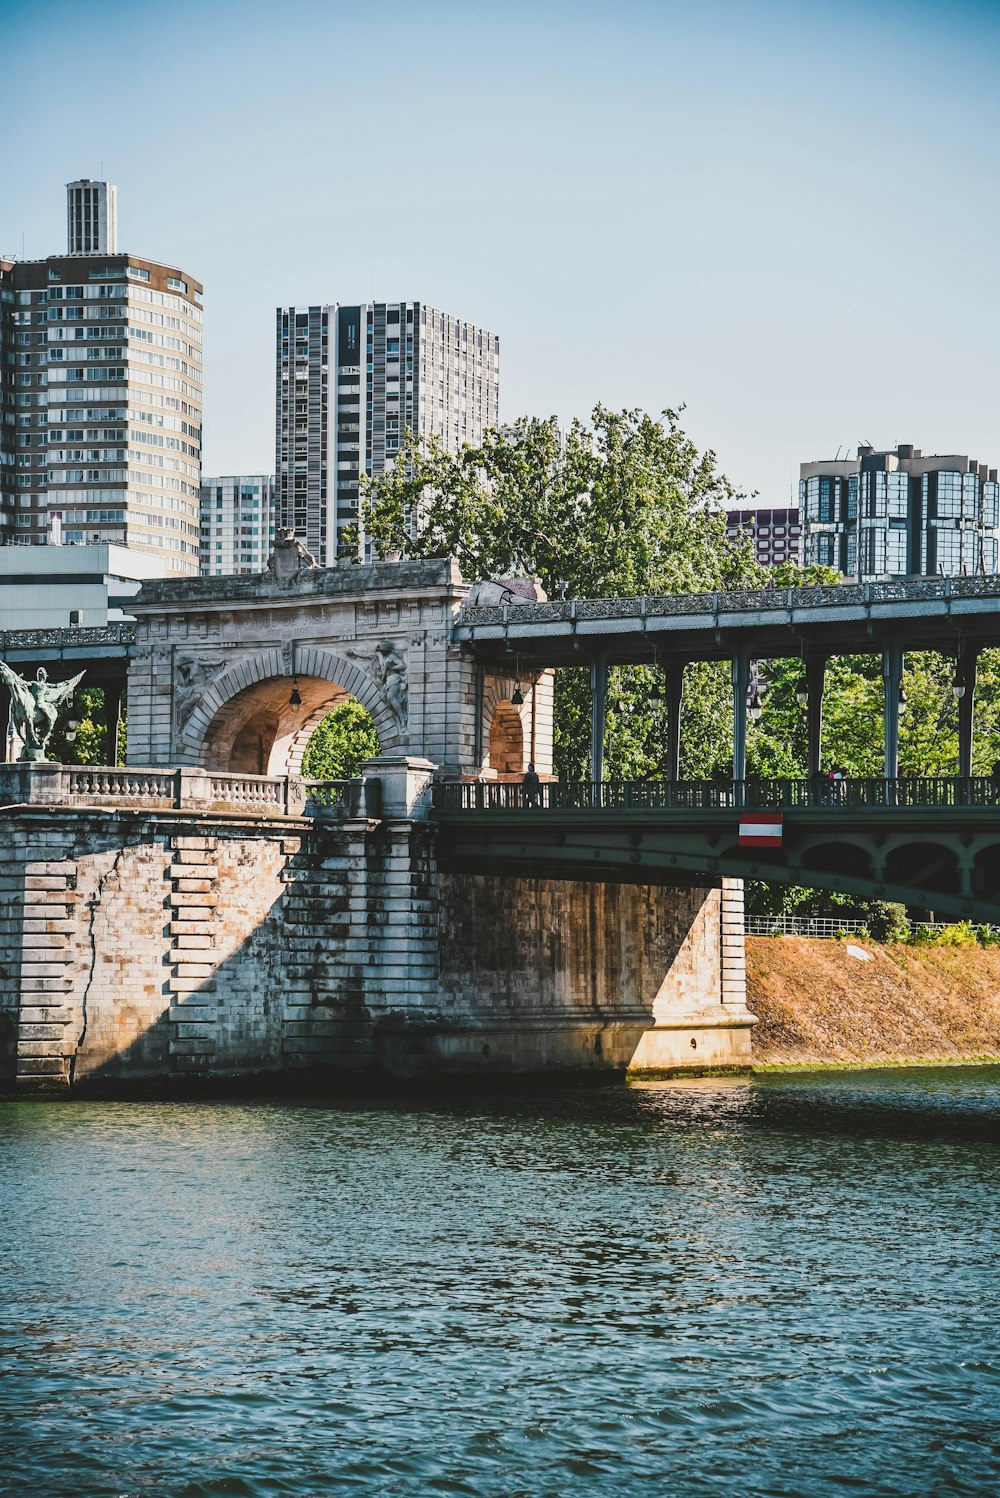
(741,685)
(598,714)
(892,676)
(675,692)
(966,667)
(815,674)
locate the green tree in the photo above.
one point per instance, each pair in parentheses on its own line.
(90,744)
(625,505)
(339,746)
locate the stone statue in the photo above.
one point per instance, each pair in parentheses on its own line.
(289,560)
(36,707)
(388,667)
(510,589)
(389,670)
(192,679)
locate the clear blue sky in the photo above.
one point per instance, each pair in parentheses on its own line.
(783,214)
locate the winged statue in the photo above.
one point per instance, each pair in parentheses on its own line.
(35,706)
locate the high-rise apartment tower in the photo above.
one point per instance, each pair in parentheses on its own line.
(237,523)
(350,381)
(100,398)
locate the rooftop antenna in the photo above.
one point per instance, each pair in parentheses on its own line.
(836,456)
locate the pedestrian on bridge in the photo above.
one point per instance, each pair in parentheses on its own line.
(531,786)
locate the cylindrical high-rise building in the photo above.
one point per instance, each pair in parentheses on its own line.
(104,397)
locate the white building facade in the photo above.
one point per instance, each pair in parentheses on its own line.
(349,382)
(237,523)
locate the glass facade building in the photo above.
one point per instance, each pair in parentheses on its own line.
(898,513)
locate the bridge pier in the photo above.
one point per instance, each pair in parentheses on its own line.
(170,926)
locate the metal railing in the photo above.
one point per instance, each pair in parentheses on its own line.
(827,927)
(817,794)
(750,600)
(800,925)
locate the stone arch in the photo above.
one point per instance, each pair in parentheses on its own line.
(506,728)
(506,748)
(244,719)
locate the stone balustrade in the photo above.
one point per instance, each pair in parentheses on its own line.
(177,790)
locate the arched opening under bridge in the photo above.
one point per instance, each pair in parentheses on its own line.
(264,729)
(506,742)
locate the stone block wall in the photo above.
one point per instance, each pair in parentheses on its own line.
(173,945)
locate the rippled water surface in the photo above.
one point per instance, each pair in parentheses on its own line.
(785,1286)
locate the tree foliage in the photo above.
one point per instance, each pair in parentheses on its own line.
(339,746)
(90,746)
(623,505)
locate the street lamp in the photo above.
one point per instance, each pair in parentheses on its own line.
(802,692)
(958,685)
(755,693)
(295,699)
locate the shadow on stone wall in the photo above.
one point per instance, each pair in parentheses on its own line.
(195,952)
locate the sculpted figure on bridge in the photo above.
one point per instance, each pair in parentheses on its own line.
(36,707)
(289,560)
(192,679)
(388,667)
(510,589)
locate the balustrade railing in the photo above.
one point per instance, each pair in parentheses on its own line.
(817,794)
(178,790)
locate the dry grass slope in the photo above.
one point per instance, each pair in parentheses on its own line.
(816,1003)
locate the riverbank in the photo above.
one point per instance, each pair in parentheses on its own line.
(819,1005)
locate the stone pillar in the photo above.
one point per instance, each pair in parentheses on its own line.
(733,975)
(405,785)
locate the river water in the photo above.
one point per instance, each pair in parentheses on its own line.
(787,1286)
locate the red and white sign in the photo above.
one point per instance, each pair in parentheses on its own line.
(760,829)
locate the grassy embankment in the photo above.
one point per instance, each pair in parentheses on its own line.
(817,1005)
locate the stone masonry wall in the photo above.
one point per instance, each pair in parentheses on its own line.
(156,946)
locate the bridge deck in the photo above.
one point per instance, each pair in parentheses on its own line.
(932,614)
